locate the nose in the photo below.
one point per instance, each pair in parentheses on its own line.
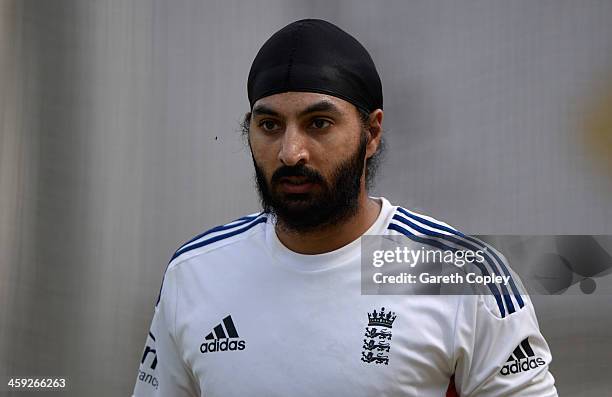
(293,147)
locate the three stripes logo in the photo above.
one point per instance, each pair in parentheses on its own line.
(522,359)
(223,337)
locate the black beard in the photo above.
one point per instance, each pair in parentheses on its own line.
(337,200)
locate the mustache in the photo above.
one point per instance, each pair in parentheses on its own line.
(297,170)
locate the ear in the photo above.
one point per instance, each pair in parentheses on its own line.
(374,132)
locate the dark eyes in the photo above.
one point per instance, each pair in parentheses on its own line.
(320,123)
(267,125)
(271,125)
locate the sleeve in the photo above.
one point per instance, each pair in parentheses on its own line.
(162,371)
(501,354)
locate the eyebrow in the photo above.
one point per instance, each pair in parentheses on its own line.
(321,106)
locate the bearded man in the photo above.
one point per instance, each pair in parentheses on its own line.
(271,304)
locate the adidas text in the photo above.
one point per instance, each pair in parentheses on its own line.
(520,366)
(222,345)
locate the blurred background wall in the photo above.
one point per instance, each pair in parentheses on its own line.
(119,139)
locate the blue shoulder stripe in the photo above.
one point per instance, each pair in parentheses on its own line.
(442,246)
(473,240)
(232,224)
(428,222)
(187,248)
(255,220)
(464,244)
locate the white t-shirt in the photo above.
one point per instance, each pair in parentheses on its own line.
(239,314)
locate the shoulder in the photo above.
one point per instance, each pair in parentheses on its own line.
(411,223)
(213,239)
(219,236)
(502,299)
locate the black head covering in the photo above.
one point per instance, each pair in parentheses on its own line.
(313,55)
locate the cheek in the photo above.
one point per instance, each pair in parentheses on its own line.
(328,164)
(264,152)
(326,150)
(333,153)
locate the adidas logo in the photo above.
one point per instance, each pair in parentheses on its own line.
(223,337)
(522,359)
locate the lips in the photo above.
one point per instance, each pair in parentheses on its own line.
(294,180)
(296,184)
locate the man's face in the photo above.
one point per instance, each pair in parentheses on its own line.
(309,154)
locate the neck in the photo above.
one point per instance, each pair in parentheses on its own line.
(332,237)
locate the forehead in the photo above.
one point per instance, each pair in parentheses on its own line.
(293,103)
